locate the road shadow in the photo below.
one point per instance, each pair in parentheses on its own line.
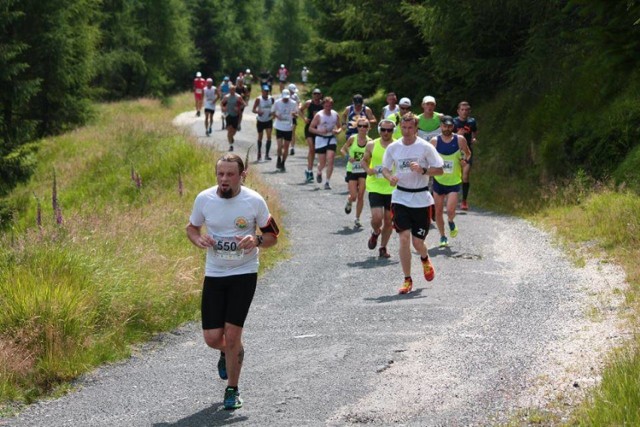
(348,230)
(215,415)
(415,294)
(372,262)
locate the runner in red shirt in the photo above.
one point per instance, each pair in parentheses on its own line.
(198,90)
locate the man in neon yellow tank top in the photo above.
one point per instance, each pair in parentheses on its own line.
(451,148)
(379,188)
(429,120)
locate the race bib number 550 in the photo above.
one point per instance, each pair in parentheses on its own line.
(227,248)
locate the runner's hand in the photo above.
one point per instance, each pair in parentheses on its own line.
(205,241)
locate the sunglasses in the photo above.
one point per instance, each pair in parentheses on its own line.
(404,108)
(363,126)
(386,130)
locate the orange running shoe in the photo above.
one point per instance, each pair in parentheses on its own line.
(406,286)
(429,271)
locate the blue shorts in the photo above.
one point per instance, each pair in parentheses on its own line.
(443,190)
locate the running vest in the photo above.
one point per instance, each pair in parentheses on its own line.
(451,154)
(232,105)
(312,110)
(351,117)
(265,106)
(386,111)
(428,128)
(356,152)
(378,183)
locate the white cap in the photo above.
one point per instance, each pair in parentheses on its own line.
(198,74)
(286,94)
(293,88)
(428,99)
(405,102)
(281,65)
(248,71)
(209,79)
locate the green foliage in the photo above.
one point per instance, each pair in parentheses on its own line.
(146,48)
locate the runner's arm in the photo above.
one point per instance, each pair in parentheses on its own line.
(366,159)
(202,241)
(370,116)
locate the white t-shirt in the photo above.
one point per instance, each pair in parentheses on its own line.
(399,156)
(264,106)
(284,110)
(326,124)
(387,111)
(210,97)
(224,220)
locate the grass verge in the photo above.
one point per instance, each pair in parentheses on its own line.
(100,260)
(601,221)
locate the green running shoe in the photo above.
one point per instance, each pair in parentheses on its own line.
(232,398)
(443,242)
(453,229)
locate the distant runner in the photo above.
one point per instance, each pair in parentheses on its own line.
(283,76)
(392,106)
(231,215)
(356,176)
(326,126)
(407,165)
(198,90)
(466,126)
(355,110)
(284,111)
(262,107)
(296,99)
(379,188)
(210,98)
(311,106)
(429,120)
(232,105)
(223,90)
(451,148)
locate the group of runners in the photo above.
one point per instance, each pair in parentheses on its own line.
(412,171)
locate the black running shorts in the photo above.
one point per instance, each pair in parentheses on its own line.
(377,200)
(227,299)
(261,126)
(232,121)
(284,134)
(415,219)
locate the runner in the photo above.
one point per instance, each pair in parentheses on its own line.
(266,79)
(262,108)
(284,111)
(357,109)
(248,82)
(326,126)
(283,75)
(379,188)
(241,90)
(232,105)
(223,90)
(311,106)
(451,147)
(294,98)
(230,213)
(356,176)
(210,98)
(412,160)
(198,89)
(429,120)
(304,75)
(467,127)
(392,106)
(404,107)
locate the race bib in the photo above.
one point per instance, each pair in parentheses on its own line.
(404,165)
(378,170)
(227,248)
(198,91)
(357,167)
(448,166)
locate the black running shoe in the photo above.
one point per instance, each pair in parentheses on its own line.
(232,399)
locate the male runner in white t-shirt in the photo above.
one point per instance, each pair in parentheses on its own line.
(407,165)
(230,214)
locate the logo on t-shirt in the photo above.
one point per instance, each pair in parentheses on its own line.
(241,222)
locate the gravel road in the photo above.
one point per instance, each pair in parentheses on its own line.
(509,323)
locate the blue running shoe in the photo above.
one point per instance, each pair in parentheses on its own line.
(232,398)
(443,242)
(222,366)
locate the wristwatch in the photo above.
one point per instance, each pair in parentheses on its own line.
(259,240)
(425,171)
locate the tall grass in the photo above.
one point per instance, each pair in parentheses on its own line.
(119,267)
